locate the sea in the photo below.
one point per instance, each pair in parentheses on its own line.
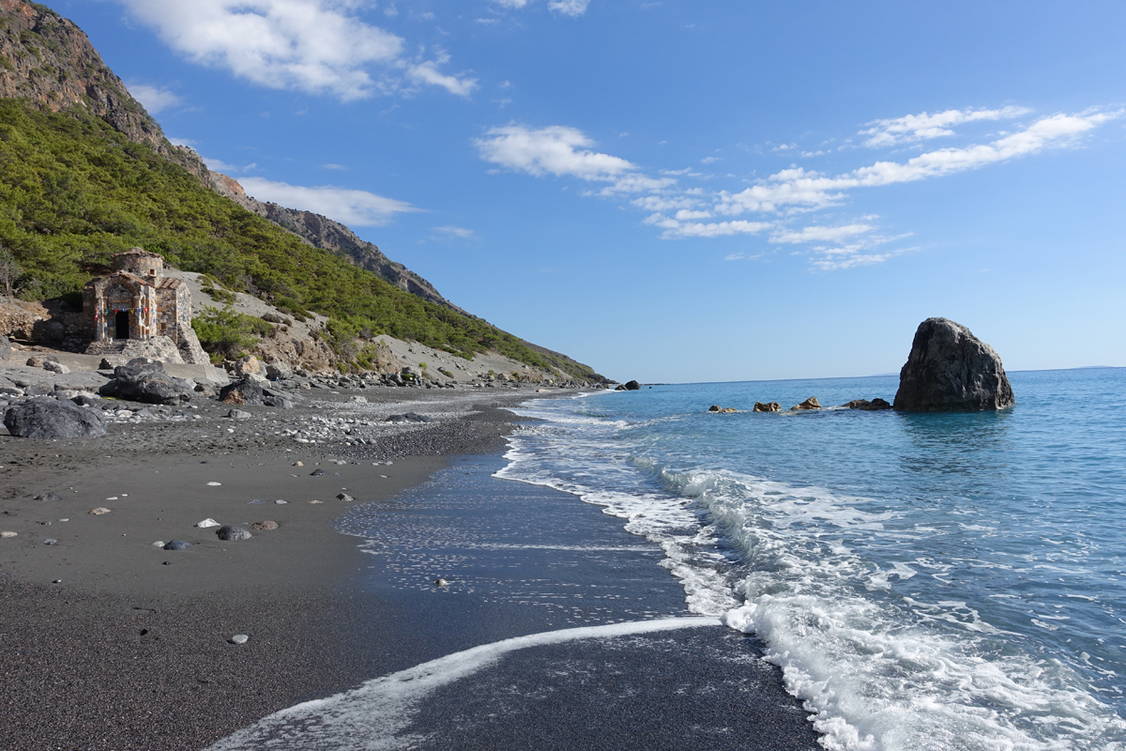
(638,572)
(924,581)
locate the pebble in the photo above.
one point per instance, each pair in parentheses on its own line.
(318,472)
(344,497)
(206,523)
(214,484)
(281,502)
(158,544)
(239,639)
(50,541)
(299,464)
(233,534)
(56,581)
(316,502)
(176,545)
(440,582)
(8,533)
(99,511)
(112,498)
(266,525)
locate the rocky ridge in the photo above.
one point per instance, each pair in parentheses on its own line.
(47,60)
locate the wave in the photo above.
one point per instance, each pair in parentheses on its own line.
(376,715)
(877,671)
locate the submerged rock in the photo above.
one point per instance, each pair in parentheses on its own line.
(875,404)
(810,403)
(950,369)
(721,410)
(767,407)
(43,417)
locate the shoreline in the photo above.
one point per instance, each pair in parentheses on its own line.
(109,642)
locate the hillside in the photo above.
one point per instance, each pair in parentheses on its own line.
(86,172)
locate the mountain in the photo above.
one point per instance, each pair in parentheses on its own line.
(49,61)
(85,172)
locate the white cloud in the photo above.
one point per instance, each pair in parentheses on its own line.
(820,234)
(797,187)
(843,262)
(740,256)
(569,7)
(428,72)
(555,150)
(155,99)
(927,125)
(334,166)
(315,46)
(675,228)
(462,233)
(181,141)
(357,208)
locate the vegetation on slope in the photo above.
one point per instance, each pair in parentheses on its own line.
(73,192)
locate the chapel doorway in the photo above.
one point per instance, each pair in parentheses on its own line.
(121,325)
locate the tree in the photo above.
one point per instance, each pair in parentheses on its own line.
(10,271)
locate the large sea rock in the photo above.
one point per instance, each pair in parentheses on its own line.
(950,369)
(44,417)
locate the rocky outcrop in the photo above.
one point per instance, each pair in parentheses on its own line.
(141,380)
(722,410)
(810,403)
(767,407)
(629,386)
(45,417)
(249,390)
(49,61)
(950,369)
(322,232)
(864,404)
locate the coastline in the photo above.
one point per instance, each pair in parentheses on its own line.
(129,649)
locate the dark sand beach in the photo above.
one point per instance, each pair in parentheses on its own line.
(110,642)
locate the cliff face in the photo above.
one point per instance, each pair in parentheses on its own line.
(49,61)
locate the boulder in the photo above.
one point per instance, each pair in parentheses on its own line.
(56,367)
(143,380)
(35,361)
(5,348)
(44,417)
(721,410)
(248,366)
(629,386)
(810,403)
(875,404)
(767,407)
(950,369)
(249,390)
(278,371)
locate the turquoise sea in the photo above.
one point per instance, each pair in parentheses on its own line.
(932,581)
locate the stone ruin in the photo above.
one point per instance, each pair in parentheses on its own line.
(136,311)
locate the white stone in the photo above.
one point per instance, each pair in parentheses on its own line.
(207,523)
(239,639)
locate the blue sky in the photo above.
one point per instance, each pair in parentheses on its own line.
(681,191)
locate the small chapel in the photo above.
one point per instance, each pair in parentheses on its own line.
(137,310)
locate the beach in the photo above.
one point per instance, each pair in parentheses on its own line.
(110,642)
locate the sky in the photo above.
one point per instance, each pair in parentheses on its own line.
(683,190)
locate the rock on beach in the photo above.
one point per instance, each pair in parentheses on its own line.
(44,417)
